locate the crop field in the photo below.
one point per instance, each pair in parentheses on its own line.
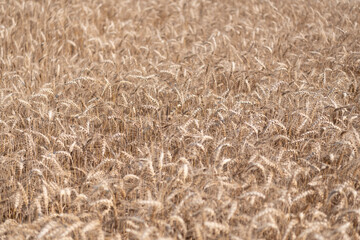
(180,119)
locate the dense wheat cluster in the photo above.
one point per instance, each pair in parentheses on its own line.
(179,119)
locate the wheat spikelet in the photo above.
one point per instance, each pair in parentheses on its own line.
(61,143)
(55,164)
(23,194)
(184,171)
(266,212)
(127,155)
(64,153)
(253,193)
(146,234)
(137,234)
(301,126)
(313,228)
(38,207)
(272,165)
(71,228)
(151,203)
(232,210)
(302,195)
(17,200)
(46,229)
(40,95)
(105,202)
(45,197)
(133,225)
(128,177)
(218,151)
(30,145)
(90,226)
(25,103)
(215,226)
(289,228)
(198,232)
(181,222)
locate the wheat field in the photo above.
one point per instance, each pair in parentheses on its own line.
(182,119)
